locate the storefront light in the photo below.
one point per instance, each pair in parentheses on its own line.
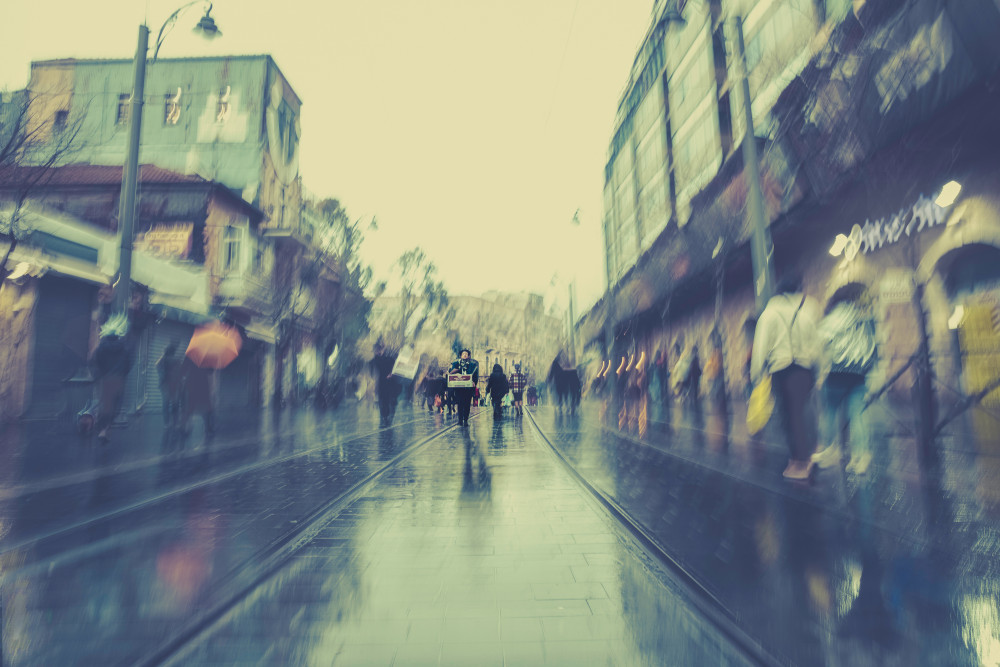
(956,317)
(19,271)
(838,246)
(949,193)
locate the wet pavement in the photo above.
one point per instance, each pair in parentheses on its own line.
(102,564)
(886,569)
(322,539)
(480,549)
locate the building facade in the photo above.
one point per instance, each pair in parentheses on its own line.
(862,113)
(200,253)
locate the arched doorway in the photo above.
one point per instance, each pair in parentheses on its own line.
(971,278)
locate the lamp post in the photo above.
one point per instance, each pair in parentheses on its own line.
(130,173)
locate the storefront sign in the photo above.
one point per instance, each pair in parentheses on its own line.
(873,236)
(167,240)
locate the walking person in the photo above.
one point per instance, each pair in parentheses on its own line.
(518,381)
(849,353)
(112,362)
(169,369)
(464,365)
(497,387)
(386,385)
(428,386)
(693,380)
(786,346)
(199,396)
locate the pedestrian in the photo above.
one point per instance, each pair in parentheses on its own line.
(464,365)
(199,396)
(532,395)
(693,379)
(849,354)
(428,386)
(386,385)
(786,346)
(168,369)
(518,381)
(497,388)
(111,363)
(679,373)
(715,374)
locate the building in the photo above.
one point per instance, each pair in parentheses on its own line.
(230,120)
(233,120)
(200,253)
(862,113)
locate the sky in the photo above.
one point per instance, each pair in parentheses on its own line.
(473,129)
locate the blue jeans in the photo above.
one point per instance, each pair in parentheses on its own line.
(844,400)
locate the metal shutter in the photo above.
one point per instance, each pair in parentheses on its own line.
(62,342)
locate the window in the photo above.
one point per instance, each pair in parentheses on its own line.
(232,250)
(122,117)
(223,109)
(59,122)
(172,108)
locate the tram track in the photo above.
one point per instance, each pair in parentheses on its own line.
(149,501)
(242,582)
(706,602)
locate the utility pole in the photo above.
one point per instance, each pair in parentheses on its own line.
(572,326)
(126,209)
(761,249)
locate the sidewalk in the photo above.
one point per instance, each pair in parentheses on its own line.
(479,550)
(109,587)
(47,476)
(852,571)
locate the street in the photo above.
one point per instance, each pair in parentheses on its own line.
(326,540)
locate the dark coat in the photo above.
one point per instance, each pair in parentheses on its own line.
(497,385)
(466,367)
(113,356)
(385,383)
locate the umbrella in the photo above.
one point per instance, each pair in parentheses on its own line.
(214,345)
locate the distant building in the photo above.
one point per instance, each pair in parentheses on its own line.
(497,327)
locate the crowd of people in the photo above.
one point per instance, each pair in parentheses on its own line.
(799,350)
(451,391)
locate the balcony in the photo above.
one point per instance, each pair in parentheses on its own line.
(243,291)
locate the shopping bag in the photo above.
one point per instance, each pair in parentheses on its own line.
(760,407)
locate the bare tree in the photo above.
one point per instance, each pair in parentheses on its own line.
(30,146)
(421,298)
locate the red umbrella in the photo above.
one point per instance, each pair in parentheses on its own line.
(214,345)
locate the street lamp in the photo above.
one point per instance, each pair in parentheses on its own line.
(126,211)
(761,248)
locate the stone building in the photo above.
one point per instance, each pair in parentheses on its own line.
(866,117)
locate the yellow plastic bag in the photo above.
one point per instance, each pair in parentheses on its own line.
(760,407)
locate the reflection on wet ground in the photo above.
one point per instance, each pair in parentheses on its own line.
(104,570)
(882,569)
(480,549)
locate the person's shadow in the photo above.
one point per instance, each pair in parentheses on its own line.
(477,480)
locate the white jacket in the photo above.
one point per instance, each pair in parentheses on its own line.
(778,342)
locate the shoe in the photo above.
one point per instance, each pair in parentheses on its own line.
(859,464)
(799,471)
(828,457)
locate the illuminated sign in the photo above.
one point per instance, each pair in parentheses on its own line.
(873,236)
